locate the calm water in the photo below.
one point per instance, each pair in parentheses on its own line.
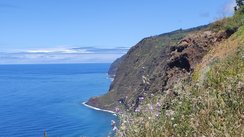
(34,98)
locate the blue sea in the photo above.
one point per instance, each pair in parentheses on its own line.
(38,98)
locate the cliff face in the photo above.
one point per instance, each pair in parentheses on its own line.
(114,67)
(154,65)
(127,83)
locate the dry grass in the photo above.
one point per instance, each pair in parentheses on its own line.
(218,53)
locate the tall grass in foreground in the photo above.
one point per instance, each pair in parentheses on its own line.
(214,109)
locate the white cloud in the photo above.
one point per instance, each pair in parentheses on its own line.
(229,7)
(61,55)
(56,50)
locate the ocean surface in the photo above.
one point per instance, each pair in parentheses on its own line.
(38,98)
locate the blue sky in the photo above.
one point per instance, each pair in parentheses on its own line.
(55,26)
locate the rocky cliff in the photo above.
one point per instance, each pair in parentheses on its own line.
(155,64)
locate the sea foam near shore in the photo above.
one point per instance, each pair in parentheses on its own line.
(98,109)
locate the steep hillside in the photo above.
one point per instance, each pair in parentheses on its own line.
(213,106)
(155,64)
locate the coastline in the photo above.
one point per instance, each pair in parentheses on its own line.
(98,109)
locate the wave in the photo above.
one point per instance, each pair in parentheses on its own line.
(98,109)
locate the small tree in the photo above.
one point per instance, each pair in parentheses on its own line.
(240,3)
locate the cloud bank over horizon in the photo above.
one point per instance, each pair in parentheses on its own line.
(62,55)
